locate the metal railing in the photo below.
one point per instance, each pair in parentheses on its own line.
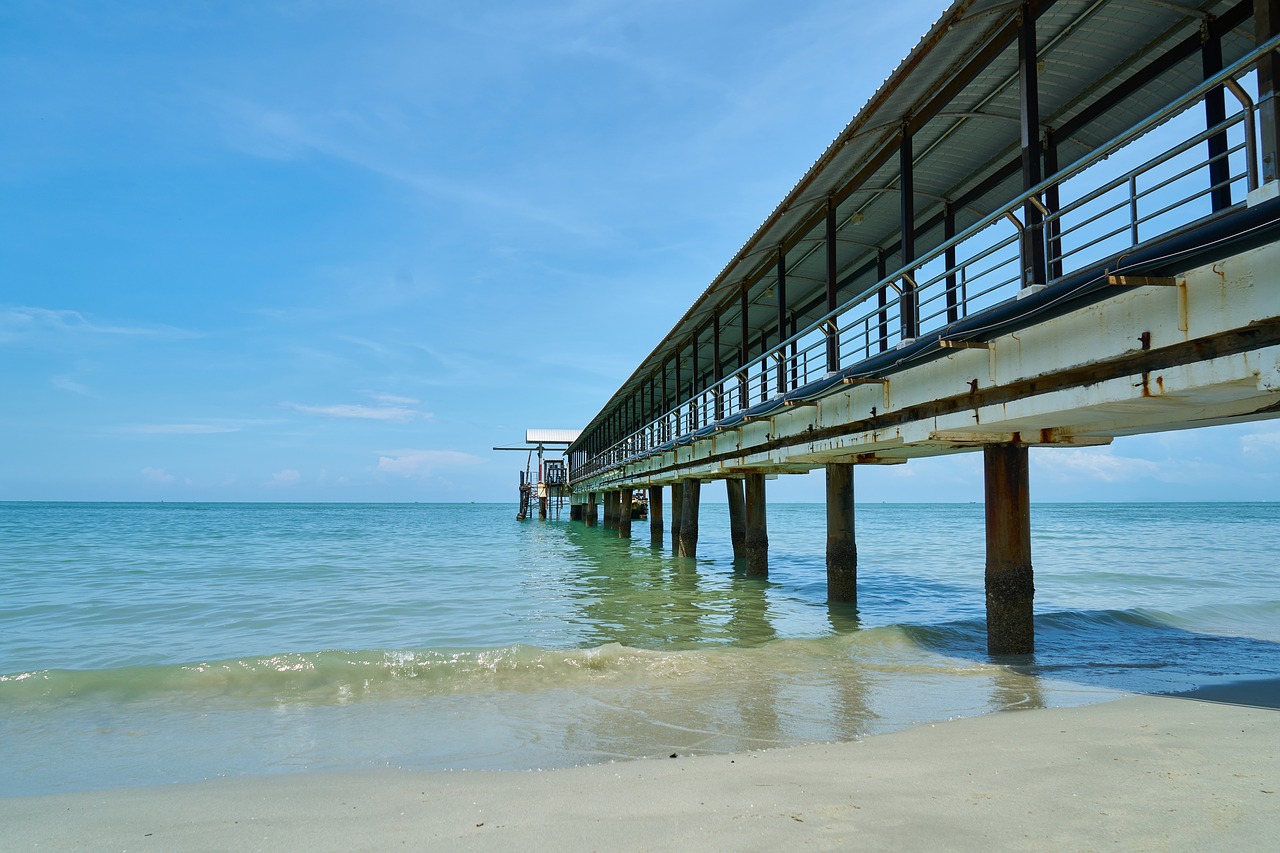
(1166,191)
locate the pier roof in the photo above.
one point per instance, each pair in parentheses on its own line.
(1102,65)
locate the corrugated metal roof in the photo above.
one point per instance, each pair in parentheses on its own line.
(551,436)
(1085,48)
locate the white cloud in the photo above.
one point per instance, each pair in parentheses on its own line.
(392,414)
(25,322)
(394,399)
(179,429)
(420,463)
(157,475)
(1260,443)
(66,383)
(287,477)
(1094,465)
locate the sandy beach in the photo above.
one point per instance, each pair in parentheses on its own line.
(1140,773)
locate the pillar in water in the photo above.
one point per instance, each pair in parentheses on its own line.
(842,550)
(1010,582)
(689,519)
(655,515)
(757,533)
(624,514)
(737,518)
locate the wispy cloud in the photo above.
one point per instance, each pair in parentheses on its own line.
(283,479)
(421,463)
(66,383)
(157,475)
(1260,443)
(25,323)
(179,429)
(1100,465)
(388,414)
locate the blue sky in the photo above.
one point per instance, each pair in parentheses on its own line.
(338,250)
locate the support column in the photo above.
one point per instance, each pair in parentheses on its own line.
(677,509)
(1033,259)
(575,512)
(1266,21)
(756,539)
(624,514)
(737,518)
(590,515)
(842,548)
(610,510)
(655,515)
(689,519)
(832,330)
(907,313)
(542,509)
(1010,582)
(1215,113)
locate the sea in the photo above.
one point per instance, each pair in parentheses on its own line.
(154,643)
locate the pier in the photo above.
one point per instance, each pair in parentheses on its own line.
(1055,223)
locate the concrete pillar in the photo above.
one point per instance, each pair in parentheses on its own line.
(677,509)
(689,519)
(655,515)
(842,548)
(542,509)
(757,534)
(610,510)
(737,518)
(1010,582)
(624,514)
(575,512)
(590,514)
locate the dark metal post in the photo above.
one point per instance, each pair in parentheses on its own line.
(717,368)
(907,303)
(1215,113)
(1033,260)
(948,232)
(842,548)
(744,391)
(832,331)
(677,509)
(655,515)
(1052,201)
(781,290)
(1010,582)
(737,517)
(679,392)
(689,519)
(882,299)
(1266,20)
(624,514)
(756,539)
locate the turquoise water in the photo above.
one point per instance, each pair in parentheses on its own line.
(152,643)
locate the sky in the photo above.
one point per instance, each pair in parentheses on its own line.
(336,251)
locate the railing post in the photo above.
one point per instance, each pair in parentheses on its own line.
(832,331)
(1266,19)
(907,299)
(1033,260)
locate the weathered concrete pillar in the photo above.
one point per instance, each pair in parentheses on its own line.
(689,519)
(575,512)
(1010,582)
(677,509)
(737,518)
(842,548)
(611,510)
(624,514)
(590,514)
(655,515)
(756,540)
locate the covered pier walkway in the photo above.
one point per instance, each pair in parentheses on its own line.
(1053,224)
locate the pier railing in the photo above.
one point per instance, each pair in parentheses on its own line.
(1094,209)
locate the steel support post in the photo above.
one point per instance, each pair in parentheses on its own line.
(882,299)
(624,514)
(842,548)
(655,515)
(689,519)
(1052,201)
(744,390)
(717,368)
(1010,582)
(677,510)
(1215,113)
(756,539)
(907,313)
(737,517)
(948,232)
(832,332)
(1033,259)
(1266,20)
(695,407)
(780,289)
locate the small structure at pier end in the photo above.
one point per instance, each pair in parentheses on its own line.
(547,484)
(1054,223)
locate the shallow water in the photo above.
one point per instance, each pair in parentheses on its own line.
(149,643)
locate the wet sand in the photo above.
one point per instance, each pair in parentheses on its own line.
(1140,773)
